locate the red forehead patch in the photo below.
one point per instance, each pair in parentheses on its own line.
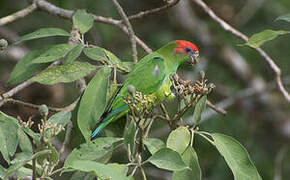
(183,44)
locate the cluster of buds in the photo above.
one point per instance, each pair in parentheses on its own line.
(48,131)
(27,124)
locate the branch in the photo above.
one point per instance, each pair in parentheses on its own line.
(130,29)
(152,11)
(20,14)
(240,35)
(215,108)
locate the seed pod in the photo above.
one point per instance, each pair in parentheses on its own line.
(43,110)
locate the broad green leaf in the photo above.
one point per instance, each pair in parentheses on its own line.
(2,172)
(198,109)
(93,102)
(285,17)
(73,54)
(82,175)
(60,119)
(83,20)
(52,157)
(33,135)
(100,170)
(114,59)
(127,65)
(43,32)
(191,160)
(24,69)
(24,141)
(96,53)
(129,137)
(64,73)
(179,139)
(23,161)
(260,38)
(154,144)
(236,157)
(99,150)
(23,172)
(53,53)
(167,159)
(8,136)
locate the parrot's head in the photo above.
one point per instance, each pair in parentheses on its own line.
(187,50)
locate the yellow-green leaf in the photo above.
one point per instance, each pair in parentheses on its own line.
(83,20)
(179,139)
(198,109)
(73,54)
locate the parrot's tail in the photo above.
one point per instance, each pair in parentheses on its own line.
(108,119)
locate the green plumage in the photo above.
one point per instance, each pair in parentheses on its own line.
(150,76)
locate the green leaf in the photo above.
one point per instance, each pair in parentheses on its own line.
(99,150)
(33,135)
(96,53)
(198,109)
(82,175)
(129,137)
(60,119)
(53,53)
(285,17)
(23,161)
(260,38)
(93,102)
(43,32)
(24,141)
(114,59)
(73,54)
(154,144)
(23,172)
(179,139)
(127,65)
(83,20)
(100,170)
(24,69)
(167,159)
(191,160)
(236,157)
(52,158)
(2,172)
(64,73)
(8,136)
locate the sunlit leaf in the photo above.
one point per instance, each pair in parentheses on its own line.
(93,102)
(154,144)
(260,38)
(179,139)
(96,53)
(83,20)
(167,159)
(285,17)
(236,157)
(43,32)
(65,73)
(129,137)
(73,54)
(198,109)
(191,160)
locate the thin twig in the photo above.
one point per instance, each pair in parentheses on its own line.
(34,106)
(242,36)
(19,14)
(152,11)
(215,108)
(130,29)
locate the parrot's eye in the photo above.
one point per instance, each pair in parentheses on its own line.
(188,50)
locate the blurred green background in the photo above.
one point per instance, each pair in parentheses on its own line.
(258,116)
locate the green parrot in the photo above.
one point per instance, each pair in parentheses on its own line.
(151,76)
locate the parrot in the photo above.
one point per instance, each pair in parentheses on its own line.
(150,76)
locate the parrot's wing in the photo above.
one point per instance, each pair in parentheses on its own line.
(146,79)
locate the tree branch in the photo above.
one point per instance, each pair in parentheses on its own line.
(19,14)
(130,29)
(240,35)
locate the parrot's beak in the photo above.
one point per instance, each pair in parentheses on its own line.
(194,59)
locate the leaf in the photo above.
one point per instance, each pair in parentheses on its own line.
(236,157)
(33,135)
(23,172)
(60,119)
(53,53)
(83,20)
(96,53)
(167,159)
(52,158)
(93,102)
(127,65)
(82,175)
(100,170)
(24,141)
(64,73)
(260,38)
(191,160)
(73,54)
(24,69)
(198,109)
(129,137)
(179,139)
(99,150)
(2,172)
(23,161)
(285,17)
(154,144)
(43,32)
(8,136)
